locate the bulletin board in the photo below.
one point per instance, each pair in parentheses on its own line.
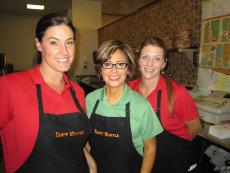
(215,43)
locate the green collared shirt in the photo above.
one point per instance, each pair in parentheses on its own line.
(143,120)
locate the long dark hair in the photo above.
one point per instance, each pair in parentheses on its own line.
(155,41)
(49,20)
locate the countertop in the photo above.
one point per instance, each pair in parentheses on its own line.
(224,143)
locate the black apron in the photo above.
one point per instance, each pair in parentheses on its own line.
(174,154)
(111,144)
(60,142)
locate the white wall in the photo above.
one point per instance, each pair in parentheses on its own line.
(17,34)
(86,16)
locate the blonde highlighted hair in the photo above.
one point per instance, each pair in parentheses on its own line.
(107,49)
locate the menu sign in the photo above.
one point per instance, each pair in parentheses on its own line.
(215,43)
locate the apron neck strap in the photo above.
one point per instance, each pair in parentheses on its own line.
(158,103)
(73,94)
(95,107)
(39,98)
(127,110)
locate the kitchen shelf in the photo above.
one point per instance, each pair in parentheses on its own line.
(190,52)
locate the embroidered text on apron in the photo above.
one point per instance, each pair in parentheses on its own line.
(111,144)
(174,154)
(60,142)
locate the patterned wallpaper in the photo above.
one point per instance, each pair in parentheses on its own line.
(163,18)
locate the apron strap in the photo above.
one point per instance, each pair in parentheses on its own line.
(127,110)
(39,98)
(73,94)
(159,103)
(95,107)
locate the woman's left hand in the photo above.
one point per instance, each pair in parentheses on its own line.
(149,155)
(91,162)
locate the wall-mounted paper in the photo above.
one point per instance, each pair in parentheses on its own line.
(220,82)
(204,80)
(215,8)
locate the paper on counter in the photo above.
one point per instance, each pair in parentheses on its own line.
(218,156)
(221,131)
(204,80)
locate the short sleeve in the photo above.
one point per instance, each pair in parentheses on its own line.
(185,106)
(82,99)
(5,97)
(150,124)
(89,104)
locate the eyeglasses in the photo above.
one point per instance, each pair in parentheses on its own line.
(119,65)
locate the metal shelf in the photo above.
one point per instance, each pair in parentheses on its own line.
(189,51)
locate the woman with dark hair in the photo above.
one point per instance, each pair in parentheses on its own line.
(124,123)
(175,109)
(43,125)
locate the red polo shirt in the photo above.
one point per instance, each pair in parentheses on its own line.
(184,107)
(19,118)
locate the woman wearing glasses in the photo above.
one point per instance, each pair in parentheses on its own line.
(174,107)
(124,124)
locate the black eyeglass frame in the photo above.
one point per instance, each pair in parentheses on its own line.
(111,65)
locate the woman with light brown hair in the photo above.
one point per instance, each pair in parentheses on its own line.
(175,109)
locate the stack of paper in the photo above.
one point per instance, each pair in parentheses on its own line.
(204,77)
(221,131)
(209,80)
(220,82)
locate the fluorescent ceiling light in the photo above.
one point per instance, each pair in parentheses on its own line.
(35,7)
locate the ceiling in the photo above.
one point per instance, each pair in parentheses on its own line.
(122,7)
(19,6)
(109,7)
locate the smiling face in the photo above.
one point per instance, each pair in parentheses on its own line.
(57,48)
(115,77)
(151,62)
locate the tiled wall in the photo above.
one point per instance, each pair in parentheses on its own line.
(162,19)
(182,68)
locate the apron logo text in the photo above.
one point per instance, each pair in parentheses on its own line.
(106,134)
(70,134)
